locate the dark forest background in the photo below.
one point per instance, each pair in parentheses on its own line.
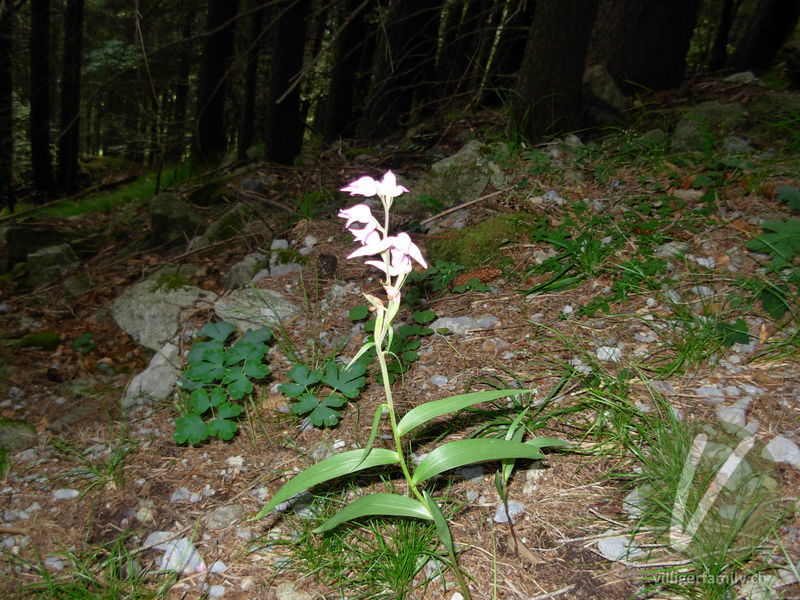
(147,83)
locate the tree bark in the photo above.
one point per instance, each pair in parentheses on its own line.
(176,133)
(644,44)
(210,137)
(69,142)
(247,131)
(548,94)
(284,126)
(770,27)
(339,113)
(403,73)
(41,161)
(7,192)
(719,50)
(510,51)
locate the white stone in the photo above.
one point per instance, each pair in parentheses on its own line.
(65,494)
(781,449)
(609,353)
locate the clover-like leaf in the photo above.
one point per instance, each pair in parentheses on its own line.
(735,332)
(348,381)
(790,195)
(258,336)
(197,353)
(291,390)
(245,351)
(304,376)
(218,331)
(205,371)
(305,404)
(222,428)
(357,313)
(256,371)
(239,385)
(423,316)
(190,428)
(228,410)
(200,401)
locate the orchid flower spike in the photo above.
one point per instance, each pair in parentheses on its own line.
(367,186)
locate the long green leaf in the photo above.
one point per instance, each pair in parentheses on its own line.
(442,528)
(377,504)
(330,468)
(436,408)
(465,452)
(374,431)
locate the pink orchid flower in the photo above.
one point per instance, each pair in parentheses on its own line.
(367,186)
(402,250)
(360,213)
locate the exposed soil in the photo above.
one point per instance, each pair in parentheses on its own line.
(73,395)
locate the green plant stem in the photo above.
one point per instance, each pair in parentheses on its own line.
(381,355)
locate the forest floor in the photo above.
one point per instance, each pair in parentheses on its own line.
(630,300)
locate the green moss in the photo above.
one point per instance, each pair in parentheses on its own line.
(169,282)
(46,340)
(481,244)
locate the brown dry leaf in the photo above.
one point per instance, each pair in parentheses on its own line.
(43,424)
(743,226)
(763,333)
(688,195)
(482,274)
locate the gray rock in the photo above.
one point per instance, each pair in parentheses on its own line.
(242,273)
(254,308)
(605,101)
(692,130)
(670,249)
(172,219)
(253,185)
(49,263)
(439,380)
(65,494)
(458,178)
(151,315)
(742,77)
(288,591)
(734,144)
(16,435)
(618,548)
(216,591)
(515,509)
(455,325)
(782,450)
(157,381)
(179,554)
(735,414)
(609,354)
(223,517)
(284,268)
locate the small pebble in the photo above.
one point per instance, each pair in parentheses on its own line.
(65,494)
(439,380)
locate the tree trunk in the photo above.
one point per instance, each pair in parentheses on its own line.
(7,192)
(403,74)
(719,51)
(284,126)
(338,118)
(69,142)
(510,51)
(41,161)
(548,93)
(247,130)
(210,137)
(770,27)
(176,135)
(643,44)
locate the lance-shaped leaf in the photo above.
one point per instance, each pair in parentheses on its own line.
(330,468)
(377,504)
(442,528)
(436,408)
(465,452)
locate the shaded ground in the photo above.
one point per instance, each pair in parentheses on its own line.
(71,394)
